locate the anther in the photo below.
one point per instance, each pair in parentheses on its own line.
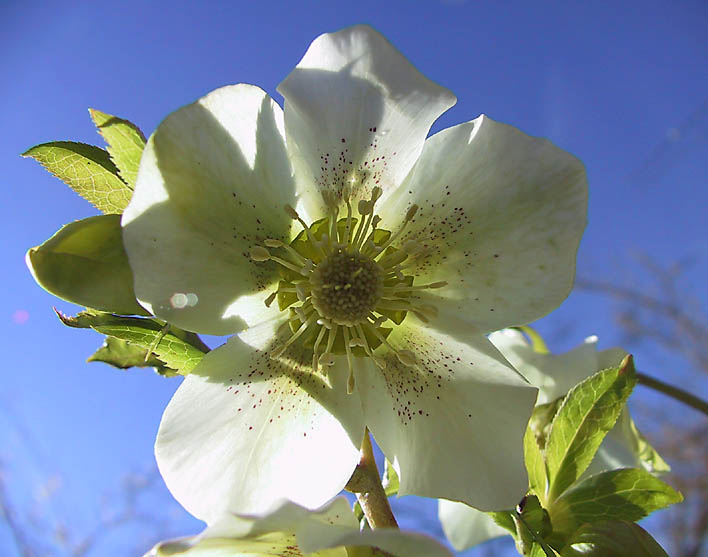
(292,213)
(411,212)
(259,253)
(351,382)
(365,207)
(273,243)
(406,357)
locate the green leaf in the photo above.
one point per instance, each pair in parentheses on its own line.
(588,412)
(85,263)
(178,349)
(86,169)
(505,519)
(125,143)
(533,524)
(535,465)
(613,539)
(390,479)
(542,550)
(123,355)
(622,494)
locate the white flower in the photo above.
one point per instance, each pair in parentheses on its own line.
(290,530)
(383,258)
(555,375)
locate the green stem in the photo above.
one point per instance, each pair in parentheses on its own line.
(674,392)
(366,484)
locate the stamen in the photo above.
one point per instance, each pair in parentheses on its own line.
(315,359)
(292,213)
(407,358)
(406,288)
(365,212)
(272,243)
(259,254)
(350,380)
(378,321)
(409,216)
(287,264)
(393,259)
(279,350)
(327,359)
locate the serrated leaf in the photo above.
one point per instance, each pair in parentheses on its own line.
(85,263)
(125,143)
(390,480)
(535,465)
(623,494)
(86,169)
(178,349)
(588,412)
(616,538)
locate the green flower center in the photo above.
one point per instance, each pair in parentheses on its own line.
(345,285)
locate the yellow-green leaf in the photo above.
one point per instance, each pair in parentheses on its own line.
(85,263)
(535,465)
(588,412)
(622,494)
(125,143)
(179,349)
(123,355)
(86,169)
(613,539)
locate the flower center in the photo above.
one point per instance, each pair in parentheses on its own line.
(346,287)
(344,284)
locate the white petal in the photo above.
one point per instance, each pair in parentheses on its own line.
(618,450)
(356,114)
(290,529)
(213,180)
(244,431)
(466,527)
(553,374)
(454,427)
(272,533)
(395,542)
(502,214)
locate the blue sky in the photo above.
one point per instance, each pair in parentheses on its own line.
(621,85)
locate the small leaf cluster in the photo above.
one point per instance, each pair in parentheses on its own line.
(566,513)
(85,262)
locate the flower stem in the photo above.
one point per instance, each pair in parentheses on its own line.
(674,392)
(366,484)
